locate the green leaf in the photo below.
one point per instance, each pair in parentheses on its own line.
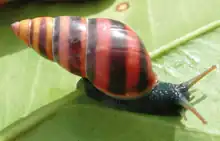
(29,82)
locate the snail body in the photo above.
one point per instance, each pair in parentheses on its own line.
(107,54)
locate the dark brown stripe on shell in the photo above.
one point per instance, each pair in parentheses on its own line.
(117,65)
(91,49)
(31,32)
(56,36)
(75,45)
(42,37)
(142,83)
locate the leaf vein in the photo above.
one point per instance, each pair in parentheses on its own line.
(33,86)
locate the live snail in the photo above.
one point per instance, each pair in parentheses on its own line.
(106,53)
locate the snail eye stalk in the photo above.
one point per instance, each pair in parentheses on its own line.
(197,78)
(183,102)
(188,84)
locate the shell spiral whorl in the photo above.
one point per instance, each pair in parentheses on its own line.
(60,39)
(105,51)
(36,33)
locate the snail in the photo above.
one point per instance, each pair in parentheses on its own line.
(106,53)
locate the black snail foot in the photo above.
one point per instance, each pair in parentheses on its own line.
(153,103)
